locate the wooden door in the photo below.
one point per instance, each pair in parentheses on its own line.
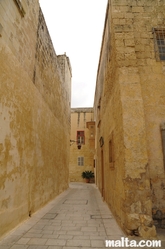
(102,173)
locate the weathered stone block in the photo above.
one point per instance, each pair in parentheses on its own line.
(137,9)
(125,8)
(119,2)
(116,21)
(147,232)
(120,43)
(130,56)
(123,22)
(120,56)
(139,48)
(118,15)
(119,36)
(132,221)
(140,2)
(129,42)
(129,15)
(129,35)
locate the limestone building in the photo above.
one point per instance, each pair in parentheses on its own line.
(82,132)
(129,110)
(35,86)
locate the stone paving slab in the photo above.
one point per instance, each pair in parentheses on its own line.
(76,219)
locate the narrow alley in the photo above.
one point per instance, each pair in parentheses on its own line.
(47,142)
(78,218)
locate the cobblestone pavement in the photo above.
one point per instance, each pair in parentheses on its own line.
(76,219)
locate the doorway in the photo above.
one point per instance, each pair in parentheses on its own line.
(102,174)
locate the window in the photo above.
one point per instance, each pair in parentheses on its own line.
(1,28)
(81,161)
(111,151)
(159,39)
(80,137)
(163,140)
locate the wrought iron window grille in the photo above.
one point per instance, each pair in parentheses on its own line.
(159,43)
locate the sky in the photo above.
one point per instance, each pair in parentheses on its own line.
(76,28)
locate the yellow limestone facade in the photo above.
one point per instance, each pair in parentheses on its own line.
(35,89)
(129,111)
(81,159)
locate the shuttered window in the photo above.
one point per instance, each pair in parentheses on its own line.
(81,161)
(80,137)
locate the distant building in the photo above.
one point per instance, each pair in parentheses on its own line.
(129,110)
(34,114)
(82,132)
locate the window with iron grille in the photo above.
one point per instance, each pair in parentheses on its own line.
(80,137)
(80,161)
(159,40)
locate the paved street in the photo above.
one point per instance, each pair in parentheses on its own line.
(78,218)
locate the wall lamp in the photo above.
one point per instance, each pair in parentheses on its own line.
(74,141)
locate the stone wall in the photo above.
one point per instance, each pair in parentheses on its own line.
(34,116)
(66,71)
(47,62)
(81,120)
(129,108)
